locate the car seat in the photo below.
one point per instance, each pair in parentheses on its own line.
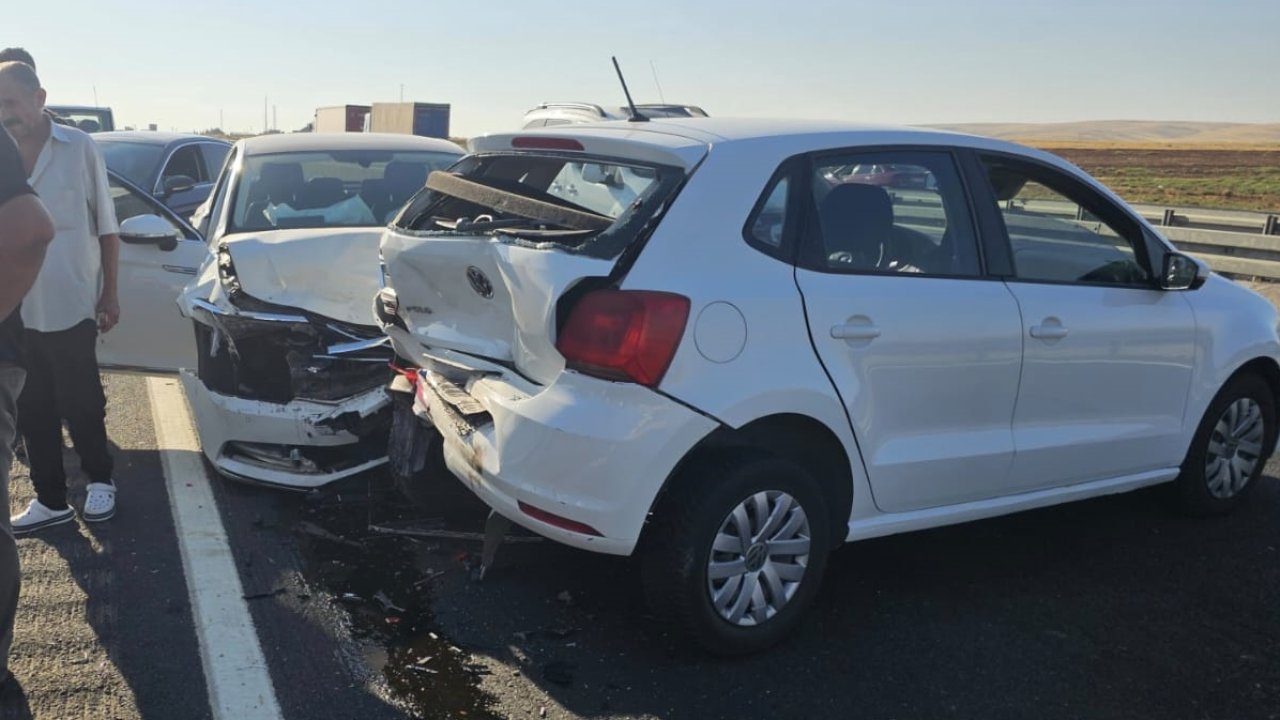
(320,192)
(857,226)
(277,184)
(402,180)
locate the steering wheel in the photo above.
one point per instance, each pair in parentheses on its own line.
(862,261)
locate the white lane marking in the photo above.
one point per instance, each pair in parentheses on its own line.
(234,667)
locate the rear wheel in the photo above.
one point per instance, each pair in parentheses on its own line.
(737,552)
(1230,448)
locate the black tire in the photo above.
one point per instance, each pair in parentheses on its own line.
(1192,490)
(679,543)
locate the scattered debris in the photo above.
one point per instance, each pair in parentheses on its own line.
(393,619)
(386,603)
(412,530)
(565,597)
(262,595)
(316,531)
(419,668)
(351,598)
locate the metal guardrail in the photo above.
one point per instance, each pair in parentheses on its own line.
(1240,244)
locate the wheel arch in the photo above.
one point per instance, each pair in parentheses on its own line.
(796,437)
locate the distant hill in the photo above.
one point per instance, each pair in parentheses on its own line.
(1128,131)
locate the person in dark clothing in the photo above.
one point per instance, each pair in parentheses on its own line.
(25,232)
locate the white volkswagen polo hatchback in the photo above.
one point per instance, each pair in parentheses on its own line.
(715,343)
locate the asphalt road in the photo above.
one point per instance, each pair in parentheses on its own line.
(1110,608)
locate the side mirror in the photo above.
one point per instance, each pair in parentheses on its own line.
(1182,272)
(178,183)
(149,230)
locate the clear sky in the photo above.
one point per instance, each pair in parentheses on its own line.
(190,66)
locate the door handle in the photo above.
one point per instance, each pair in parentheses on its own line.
(855,332)
(1049,329)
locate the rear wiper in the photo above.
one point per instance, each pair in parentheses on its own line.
(467,225)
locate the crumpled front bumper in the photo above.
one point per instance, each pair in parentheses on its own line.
(302,444)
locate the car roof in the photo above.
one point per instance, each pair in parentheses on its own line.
(313,142)
(153,137)
(782,136)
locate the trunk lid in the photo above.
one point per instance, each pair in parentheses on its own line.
(484,297)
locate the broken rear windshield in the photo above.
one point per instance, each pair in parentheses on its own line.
(563,199)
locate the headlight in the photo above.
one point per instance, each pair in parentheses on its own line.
(227,272)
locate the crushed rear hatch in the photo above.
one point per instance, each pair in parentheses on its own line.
(480,261)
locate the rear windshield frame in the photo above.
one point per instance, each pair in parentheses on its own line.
(611,242)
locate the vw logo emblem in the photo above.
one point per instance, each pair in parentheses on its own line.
(479,282)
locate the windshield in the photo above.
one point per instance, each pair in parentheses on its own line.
(135,161)
(334,188)
(545,198)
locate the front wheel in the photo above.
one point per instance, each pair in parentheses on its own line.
(737,552)
(1230,448)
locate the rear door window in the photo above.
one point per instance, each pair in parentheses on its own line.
(891,212)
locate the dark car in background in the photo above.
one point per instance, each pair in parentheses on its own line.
(176,168)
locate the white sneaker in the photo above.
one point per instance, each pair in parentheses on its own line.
(37,516)
(100,503)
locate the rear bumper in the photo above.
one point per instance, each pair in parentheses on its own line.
(253,440)
(595,453)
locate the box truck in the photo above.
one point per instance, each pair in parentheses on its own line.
(411,118)
(341,118)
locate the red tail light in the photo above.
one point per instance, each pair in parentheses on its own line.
(624,334)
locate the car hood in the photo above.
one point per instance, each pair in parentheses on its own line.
(331,272)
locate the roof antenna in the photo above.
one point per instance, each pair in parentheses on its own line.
(635,114)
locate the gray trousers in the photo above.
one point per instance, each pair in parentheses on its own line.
(11,379)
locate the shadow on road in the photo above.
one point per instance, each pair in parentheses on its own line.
(1114,607)
(13,701)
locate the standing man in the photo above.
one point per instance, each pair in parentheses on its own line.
(73,298)
(25,231)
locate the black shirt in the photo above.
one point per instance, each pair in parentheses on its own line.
(13,182)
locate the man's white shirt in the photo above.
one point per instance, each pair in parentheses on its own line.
(70,177)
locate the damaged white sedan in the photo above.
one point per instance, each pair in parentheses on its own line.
(288,388)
